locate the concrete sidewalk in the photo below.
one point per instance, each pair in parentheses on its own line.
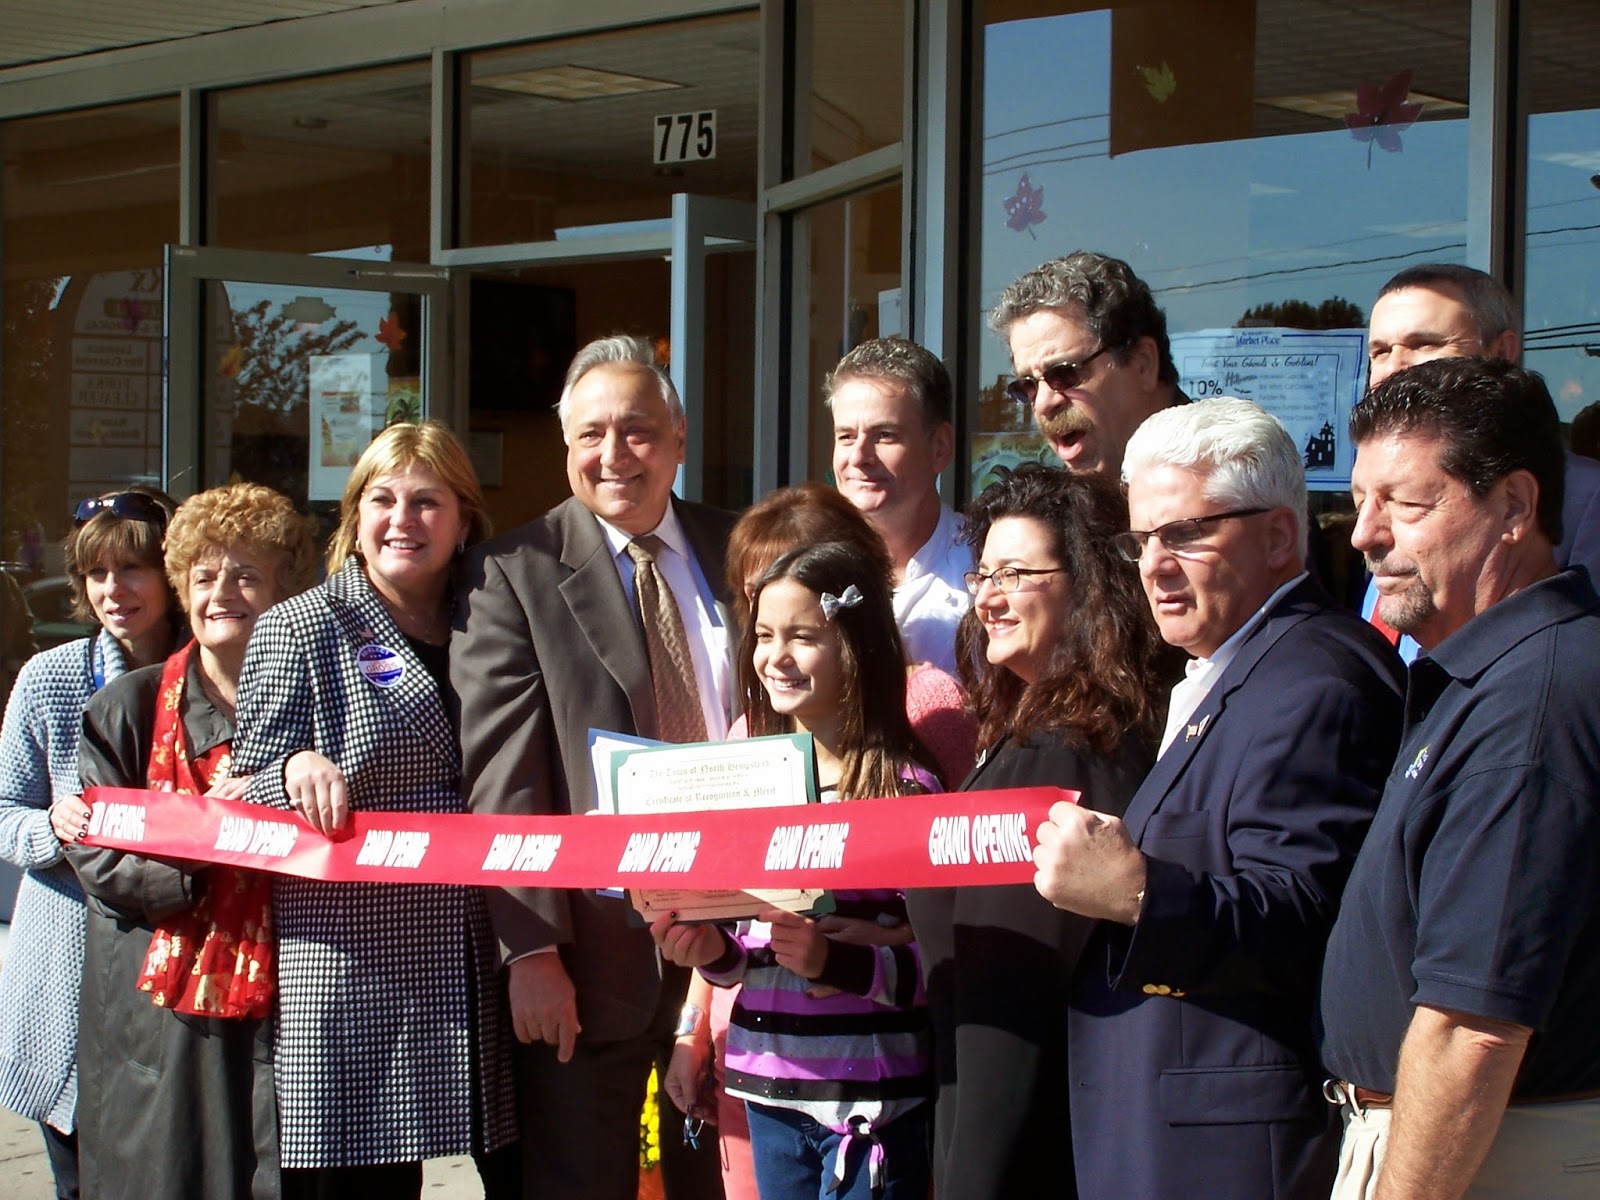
(26,1168)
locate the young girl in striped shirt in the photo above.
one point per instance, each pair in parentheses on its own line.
(829,1042)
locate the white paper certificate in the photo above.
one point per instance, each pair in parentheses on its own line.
(766,772)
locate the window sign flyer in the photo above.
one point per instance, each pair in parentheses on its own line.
(1308,379)
(344,415)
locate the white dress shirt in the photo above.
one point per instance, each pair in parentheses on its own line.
(932,598)
(709,642)
(1201,674)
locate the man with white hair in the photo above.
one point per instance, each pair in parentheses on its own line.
(610,611)
(1192,1069)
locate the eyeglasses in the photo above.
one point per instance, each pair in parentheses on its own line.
(693,1125)
(1176,536)
(1006,580)
(130,506)
(1058,377)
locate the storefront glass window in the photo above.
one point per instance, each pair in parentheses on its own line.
(605,128)
(854,257)
(1263,164)
(324,165)
(90,199)
(1561,309)
(852,98)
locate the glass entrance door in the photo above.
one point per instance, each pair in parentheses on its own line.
(283,367)
(688,282)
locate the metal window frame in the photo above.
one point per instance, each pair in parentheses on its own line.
(189,269)
(1496,170)
(782,418)
(1497,142)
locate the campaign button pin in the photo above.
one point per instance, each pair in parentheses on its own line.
(381,665)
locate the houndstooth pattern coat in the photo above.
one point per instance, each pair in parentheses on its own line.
(393,1040)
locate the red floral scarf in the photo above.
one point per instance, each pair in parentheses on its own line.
(214,959)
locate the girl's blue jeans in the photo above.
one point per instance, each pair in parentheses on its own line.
(795,1157)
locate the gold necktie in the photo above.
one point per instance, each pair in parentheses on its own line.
(679,717)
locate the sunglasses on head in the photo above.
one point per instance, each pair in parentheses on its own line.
(129,506)
(1058,377)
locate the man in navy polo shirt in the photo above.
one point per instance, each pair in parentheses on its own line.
(1459,989)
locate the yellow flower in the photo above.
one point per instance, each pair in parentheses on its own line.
(650,1125)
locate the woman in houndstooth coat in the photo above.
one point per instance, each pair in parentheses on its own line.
(393,1040)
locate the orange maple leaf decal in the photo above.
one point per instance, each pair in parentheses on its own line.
(389,332)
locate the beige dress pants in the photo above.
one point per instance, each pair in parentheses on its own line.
(1542,1152)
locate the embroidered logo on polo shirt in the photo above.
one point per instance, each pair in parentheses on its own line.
(1417,763)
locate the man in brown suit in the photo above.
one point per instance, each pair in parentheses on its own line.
(548,645)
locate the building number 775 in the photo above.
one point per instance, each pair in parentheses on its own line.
(682,137)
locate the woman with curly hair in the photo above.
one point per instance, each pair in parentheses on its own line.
(113,559)
(1063,668)
(175,1048)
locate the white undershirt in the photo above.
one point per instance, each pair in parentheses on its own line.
(1201,674)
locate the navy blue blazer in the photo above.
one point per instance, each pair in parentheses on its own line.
(1192,1063)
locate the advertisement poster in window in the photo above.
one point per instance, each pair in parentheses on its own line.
(1309,380)
(345,412)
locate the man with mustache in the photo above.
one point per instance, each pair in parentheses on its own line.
(1445,310)
(1458,989)
(1089,346)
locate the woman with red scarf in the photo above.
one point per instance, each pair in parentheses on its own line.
(175,1053)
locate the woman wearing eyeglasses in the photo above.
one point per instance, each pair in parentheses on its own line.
(1063,666)
(113,558)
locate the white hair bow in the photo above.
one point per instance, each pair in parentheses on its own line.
(831,604)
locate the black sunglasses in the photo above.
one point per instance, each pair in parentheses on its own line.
(1058,377)
(130,506)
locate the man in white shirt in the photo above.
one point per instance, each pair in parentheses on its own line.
(891,403)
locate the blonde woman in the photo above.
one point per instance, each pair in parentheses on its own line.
(393,1043)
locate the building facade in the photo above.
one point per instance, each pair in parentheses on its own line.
(233,245)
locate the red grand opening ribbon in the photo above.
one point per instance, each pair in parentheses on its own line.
(944,840)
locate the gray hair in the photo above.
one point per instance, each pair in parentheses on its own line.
(619,348)
(1486,298)
(1246,454)
(1118,307)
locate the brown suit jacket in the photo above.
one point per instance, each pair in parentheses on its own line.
(547,647)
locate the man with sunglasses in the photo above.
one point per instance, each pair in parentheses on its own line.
(1089,346)
(1192,1067)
